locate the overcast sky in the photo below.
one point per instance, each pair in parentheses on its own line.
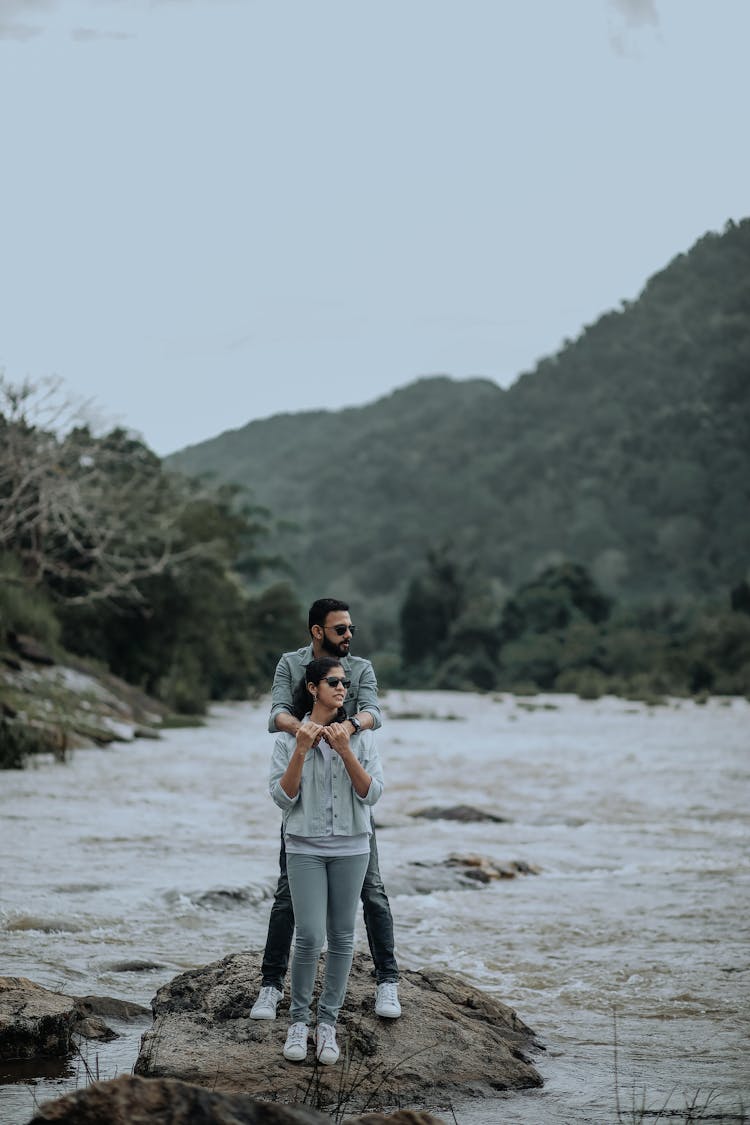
(219,210)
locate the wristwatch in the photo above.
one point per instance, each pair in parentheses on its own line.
(355,723)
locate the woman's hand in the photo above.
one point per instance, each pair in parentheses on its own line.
(337,737)
(308,734)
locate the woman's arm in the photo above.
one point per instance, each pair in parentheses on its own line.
(307,734)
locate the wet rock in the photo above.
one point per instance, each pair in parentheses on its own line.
(134,966)
(33,1020)
(451,1040)
(456,873)
(94,1027)
(481,870)
(36,1022)
(466,814)
(111,1008)
(166,1101)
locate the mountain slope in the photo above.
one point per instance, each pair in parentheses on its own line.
(628,450)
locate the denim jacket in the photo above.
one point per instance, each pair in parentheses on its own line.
(304,815)
(361,696)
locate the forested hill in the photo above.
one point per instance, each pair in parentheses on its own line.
(628,451)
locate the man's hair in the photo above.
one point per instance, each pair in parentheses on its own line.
(320,609)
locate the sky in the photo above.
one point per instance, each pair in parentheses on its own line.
(219,210)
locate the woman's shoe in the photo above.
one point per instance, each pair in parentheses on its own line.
(326,1047)
(295,1048)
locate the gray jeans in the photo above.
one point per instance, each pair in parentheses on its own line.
(325,892)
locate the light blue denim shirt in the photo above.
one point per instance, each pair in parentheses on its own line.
(362,695)
(305,814)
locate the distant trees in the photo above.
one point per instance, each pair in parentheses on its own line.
(560,632)
(137,566)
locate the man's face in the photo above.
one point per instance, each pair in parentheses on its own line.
(337,634)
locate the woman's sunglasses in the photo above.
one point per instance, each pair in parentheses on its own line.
(334,681)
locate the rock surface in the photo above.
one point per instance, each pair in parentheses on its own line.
(33,1020)
(167,1101)
(452,1040)
(38,1023)
(51,708)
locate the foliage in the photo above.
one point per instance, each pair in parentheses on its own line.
(558,632)
(25,610)
(130,563)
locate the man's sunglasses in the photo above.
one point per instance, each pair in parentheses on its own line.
(334,681)
(339,630)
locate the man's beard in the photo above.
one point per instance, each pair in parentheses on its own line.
(339,648)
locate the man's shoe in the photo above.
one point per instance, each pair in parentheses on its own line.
(265,1006)
(326,1047)
(386,1001)
(295,1048)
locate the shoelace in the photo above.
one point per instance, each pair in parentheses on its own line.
(266,994)
(297,1033)
(326,1037)
(388,991)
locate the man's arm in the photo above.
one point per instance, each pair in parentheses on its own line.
(281,717)
(368,708)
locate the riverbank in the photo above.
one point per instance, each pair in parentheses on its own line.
(52,705)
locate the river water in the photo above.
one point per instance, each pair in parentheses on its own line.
(129,864)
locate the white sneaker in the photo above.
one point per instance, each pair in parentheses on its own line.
(295,1047)
(326,1047)
(265,1006)
(386,1001)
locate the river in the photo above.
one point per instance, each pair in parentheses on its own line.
(127,865)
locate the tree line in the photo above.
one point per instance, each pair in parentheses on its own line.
(107,553)
(558,631)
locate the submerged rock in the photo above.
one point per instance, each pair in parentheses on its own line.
(466,814)
(167,1101)
(451,1040)
(456,873)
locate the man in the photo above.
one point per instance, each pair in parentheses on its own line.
(331,632)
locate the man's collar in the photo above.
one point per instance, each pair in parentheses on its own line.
(310,655)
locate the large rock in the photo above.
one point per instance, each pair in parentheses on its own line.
(167,1101)
(34,1021)
(452,1040)
(38,1023)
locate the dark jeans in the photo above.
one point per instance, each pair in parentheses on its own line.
(378,923)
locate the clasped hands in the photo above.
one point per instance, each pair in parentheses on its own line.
(336,735)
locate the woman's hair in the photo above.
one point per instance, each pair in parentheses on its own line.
(316,670)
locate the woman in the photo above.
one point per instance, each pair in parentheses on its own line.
(323,780)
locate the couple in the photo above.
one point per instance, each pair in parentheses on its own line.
(325,773)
